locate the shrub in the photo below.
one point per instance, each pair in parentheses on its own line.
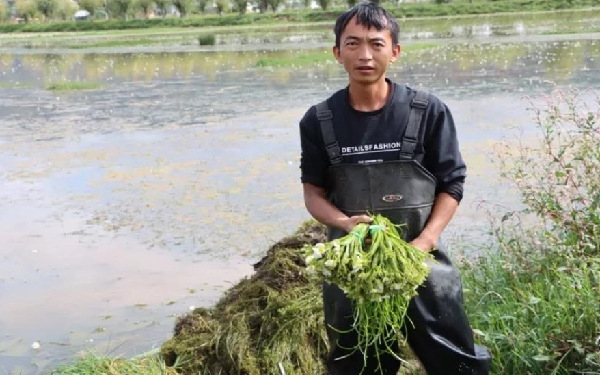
(533,300)
(207,39)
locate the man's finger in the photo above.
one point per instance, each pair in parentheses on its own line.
(365,218)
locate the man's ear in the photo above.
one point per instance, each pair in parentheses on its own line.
(336,54)
(395,52)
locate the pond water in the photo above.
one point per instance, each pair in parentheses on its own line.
(123,205)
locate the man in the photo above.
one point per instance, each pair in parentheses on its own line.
(376,146)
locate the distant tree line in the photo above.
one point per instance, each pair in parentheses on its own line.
(46,10)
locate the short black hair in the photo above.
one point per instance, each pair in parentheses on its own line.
(370,15)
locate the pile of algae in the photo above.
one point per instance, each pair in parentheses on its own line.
(275,316)
(268,324)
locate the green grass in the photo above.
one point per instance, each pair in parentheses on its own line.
(571,31)
(301,59)
(207,40)
(92,364)
(537,311)
(72,86)
(116,43)
(14,85)
(324,56)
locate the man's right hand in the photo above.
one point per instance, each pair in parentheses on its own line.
(348,223)
(315,199)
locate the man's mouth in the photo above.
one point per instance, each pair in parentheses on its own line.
(365,68)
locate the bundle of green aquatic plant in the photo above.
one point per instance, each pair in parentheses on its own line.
(381,276)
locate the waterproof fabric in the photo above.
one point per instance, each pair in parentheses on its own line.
(402,190)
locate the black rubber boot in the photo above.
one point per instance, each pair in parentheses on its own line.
(441,337)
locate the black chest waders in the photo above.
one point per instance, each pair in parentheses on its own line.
(404,191)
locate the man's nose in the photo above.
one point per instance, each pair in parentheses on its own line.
(365,52)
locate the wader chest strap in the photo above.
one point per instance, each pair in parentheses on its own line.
(417,109)
(331,145)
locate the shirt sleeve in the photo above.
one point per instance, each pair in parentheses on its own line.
(442,153)
(313,158)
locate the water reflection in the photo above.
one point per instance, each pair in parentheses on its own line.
(481,26)
(484,26)
(555,61)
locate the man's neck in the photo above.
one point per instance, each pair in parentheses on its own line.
(368,98)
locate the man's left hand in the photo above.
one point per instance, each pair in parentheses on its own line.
(423,244)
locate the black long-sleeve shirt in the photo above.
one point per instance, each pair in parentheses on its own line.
(377,136)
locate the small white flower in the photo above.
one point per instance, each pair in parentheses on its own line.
(311,270)
(309,259)
(357,265)
(336,246)
(320,248)
(35,345)
(330,264)
(396,286)
(192,308)
(317,254)
(326,272)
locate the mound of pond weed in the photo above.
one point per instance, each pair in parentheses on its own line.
(270,321)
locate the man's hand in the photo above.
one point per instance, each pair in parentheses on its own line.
(315,200)
(424,244)
(348,223)
(443,210)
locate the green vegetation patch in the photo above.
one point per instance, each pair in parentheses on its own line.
(72,86)
(92,364)
(117,43)
(304,58)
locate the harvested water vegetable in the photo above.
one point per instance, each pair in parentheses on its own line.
(380,276)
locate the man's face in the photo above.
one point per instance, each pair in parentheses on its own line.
(365,53)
